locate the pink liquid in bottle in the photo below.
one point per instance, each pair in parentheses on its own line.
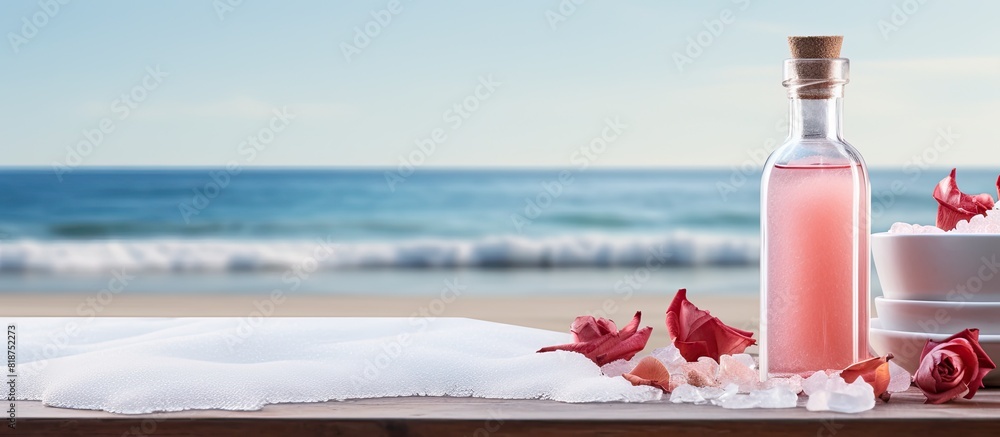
(817,267)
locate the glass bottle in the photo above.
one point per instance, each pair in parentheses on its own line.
(815,230)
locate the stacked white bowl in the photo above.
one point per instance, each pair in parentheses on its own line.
(936,285)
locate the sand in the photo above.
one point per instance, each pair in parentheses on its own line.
(552,313)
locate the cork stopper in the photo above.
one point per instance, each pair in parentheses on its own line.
(815,47)
(816,70)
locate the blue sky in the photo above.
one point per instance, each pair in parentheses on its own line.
(560,77)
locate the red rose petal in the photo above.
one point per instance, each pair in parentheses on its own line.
(600,340)
(955,206)
(874,371)
(650,371)
(587,328)
(947,395)
(600,347)
(697,334)
(627,348)
(606,326)
(632,326)
(571,347)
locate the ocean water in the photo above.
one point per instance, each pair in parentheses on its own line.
(359,232)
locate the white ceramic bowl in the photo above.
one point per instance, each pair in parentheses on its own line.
(943,267)
(906,346)
(938,317)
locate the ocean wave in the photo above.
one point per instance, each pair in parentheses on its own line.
(174,255)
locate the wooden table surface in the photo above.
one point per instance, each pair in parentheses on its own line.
(430,416)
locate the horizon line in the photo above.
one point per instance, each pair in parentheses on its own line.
(434,168)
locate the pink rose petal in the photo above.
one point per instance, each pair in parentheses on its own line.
(650,371)
(955,206)
(600,340)
(874,371)
(697,334)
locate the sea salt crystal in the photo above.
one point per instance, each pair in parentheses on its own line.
(729,397)
(815,382)
(776,397)
(980,224)
(792,383)
(839,396)
(133,364)
(746,359)
(717,394)
(700,373)
(709,393)
(668,355)
(734,371)
(708,365)
(616,368)
(906,228)
(686,393)
(725,392)
(899,378)
(901,228)
(826,391)
(739,401)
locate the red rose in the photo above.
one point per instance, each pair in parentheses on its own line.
(953,368)
(697,334)
(955,206)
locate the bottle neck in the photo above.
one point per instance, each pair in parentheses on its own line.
(815,118)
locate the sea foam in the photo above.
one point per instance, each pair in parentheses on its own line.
(165,255)
(130,365)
